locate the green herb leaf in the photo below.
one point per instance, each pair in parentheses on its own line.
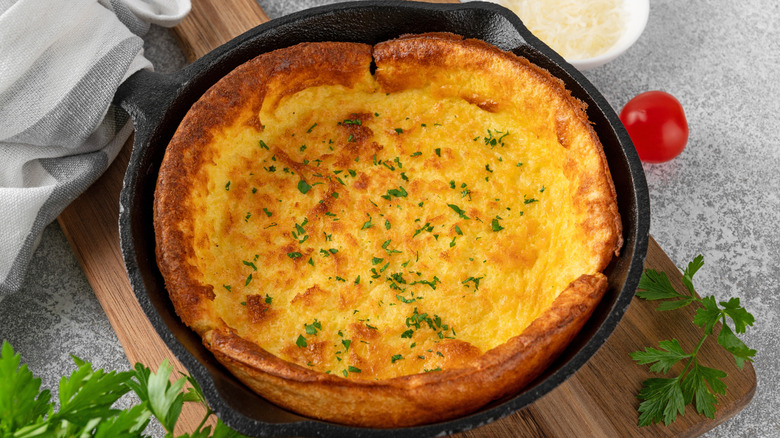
(367,224)
(690,271)
(728,340)
(708,315)
(664,359)
(458,210)
(21,401)
(303,187)
(301,342)
(654,285)
(738,314)
(663,400)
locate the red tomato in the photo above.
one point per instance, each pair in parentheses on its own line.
(656,123)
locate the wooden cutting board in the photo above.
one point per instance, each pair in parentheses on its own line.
(599,400)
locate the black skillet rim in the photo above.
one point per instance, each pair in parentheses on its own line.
(164,94)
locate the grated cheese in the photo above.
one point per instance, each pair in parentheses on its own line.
(575,29)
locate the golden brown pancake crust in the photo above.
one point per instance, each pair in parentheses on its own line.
(362,267)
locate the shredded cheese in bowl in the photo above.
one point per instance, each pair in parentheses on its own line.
(575,29)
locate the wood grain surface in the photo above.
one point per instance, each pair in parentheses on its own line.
(599,400)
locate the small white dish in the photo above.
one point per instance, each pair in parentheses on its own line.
(636,14)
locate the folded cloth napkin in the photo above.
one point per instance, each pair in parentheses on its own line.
(60,65)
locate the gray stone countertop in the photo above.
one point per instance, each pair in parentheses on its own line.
(720,198)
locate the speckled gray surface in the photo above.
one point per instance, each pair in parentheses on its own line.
(720,198)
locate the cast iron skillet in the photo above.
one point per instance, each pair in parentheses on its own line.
(158,102)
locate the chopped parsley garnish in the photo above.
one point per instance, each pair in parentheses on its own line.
(308,131)
(250,264)
(248,280)
(492,141)
(301,342)
(473,280)
(438,152)
(416,154)
(294,255)
(389,251)
(457,209)
(376,260)
(432,283)
(263,145)
(406,300)
(352,369)
(300,231)
(400,192)
(352,122)
(457,230)
(303,187)
(528,201)
(396,357)
(313,328)
(387,224)
(227,186)
(248,215)
(367,224)
(399,131)
(407,334)
(268,299)
(496,226)
(346,343)
(427,227)
(227,287)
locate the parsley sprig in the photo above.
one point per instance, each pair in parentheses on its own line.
(665,398)
(86,400)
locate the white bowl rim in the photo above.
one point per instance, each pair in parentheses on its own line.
(638,12)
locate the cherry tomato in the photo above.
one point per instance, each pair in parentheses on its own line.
(656,123)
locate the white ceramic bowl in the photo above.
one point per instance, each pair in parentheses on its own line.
(636,13)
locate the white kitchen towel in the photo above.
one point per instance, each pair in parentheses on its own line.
(61,62)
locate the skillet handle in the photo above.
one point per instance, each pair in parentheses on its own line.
(146,96)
